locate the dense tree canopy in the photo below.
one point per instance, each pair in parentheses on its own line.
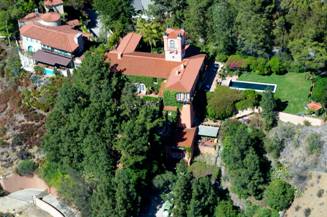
(97,125)
(244,160)
(279,194)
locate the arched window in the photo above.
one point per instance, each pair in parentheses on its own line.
(172,44)
(30,48)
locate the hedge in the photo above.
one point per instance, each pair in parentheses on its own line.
(169,98)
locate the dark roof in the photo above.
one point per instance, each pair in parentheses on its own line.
(51,59)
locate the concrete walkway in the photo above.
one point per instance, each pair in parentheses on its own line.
(21,202)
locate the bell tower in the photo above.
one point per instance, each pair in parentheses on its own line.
(174,44)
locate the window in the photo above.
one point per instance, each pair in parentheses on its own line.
(172,44)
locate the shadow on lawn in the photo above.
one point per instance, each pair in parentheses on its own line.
(281,105)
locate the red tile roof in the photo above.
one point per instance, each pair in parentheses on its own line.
(173,33)
(129,43)
(142,64)
(50,17)
(314,106)
(53,2)
(185,138)
(181,76)
(59,37)
(29,16)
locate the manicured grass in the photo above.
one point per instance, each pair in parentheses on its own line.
(291,87)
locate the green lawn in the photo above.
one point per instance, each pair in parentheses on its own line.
(291,87)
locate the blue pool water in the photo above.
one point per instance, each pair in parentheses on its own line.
(49,72)
(260,87)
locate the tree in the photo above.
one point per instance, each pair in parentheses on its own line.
(253,23)
(10,12)
(221,103)
(197,19)
(151,31)
(319,92)
(172,12)
(222,33)
(276,65)
(279,194)
(115,14)
(127,196)
(182,190)
(26,167)
(308,55)
(102,201)
(203,199)
(226,209)
(268,106)
(243,157)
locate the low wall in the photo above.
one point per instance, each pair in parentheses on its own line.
(47,207)
(295,119)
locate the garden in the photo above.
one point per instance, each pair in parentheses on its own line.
(294,89)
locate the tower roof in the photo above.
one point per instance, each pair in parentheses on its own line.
(174,33)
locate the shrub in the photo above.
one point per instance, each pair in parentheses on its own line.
(314,144)
(274,146)
(250,100)
(226,209)
(26,167)
(319,92)
(221,102)
(276,65)
(279,194)
(307,212)
(237,62)
(260,66)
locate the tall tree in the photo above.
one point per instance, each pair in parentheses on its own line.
(253,25)
(172,12)
(222,32)
(203,199)
(115,14)
(268,106)
(197,19)
(151,31)
(182,190)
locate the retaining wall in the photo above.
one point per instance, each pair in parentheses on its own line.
(295,119)
(47,207)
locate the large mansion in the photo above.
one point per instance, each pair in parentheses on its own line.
(49,44)
(177,67)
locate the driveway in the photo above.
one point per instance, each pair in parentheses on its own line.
(19,201)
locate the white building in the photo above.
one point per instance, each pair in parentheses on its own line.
(46,43)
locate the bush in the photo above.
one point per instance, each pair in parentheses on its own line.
(319,92)
(237,62)
(26,167)
(250,100)
(314,144)
(260,66)
(221,102)
(226,209)
(276,65)
(279,194)
(274,146)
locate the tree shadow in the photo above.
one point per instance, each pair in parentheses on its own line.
(281,105)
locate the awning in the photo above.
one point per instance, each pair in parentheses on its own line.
(51,59)
(208,131)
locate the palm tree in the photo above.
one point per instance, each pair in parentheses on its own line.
(150,30)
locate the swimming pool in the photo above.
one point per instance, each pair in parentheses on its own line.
(256,86)
(48,72)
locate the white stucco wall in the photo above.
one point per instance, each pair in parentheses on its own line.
(58,8)
(26,42)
